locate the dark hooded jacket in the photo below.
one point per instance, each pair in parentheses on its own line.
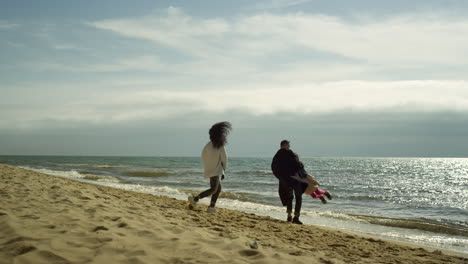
(283,166)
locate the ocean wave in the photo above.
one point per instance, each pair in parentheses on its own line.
(148,173)
(330,214)
(359,197)
(73,174)
(413,224)
(394,222)
(254,172)
(90,165)
(155,190)
(226,195)
(102,178)
(108,166)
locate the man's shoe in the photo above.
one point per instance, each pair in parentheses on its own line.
(211,210)
(289,218)
(296,221)
(192,202)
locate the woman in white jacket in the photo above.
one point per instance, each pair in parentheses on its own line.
(215,162)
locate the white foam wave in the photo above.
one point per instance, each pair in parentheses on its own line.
(72,174)
(163,190)
(108,166)
(91,165)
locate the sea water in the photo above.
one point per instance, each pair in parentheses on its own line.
(417,200)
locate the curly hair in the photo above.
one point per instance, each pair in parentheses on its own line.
(219,132)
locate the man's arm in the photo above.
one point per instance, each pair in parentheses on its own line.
(275,166)
(293,163)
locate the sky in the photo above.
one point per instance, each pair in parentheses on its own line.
(358,78)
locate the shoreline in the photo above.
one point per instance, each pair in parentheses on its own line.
(50,219)
(406,230)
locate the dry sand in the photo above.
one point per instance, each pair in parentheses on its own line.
(46,219)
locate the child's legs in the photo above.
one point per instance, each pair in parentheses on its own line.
(318,193)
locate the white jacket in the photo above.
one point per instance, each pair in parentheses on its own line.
(214,160)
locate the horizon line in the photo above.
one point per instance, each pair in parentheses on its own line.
(253,157)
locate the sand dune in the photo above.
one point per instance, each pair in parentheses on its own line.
(46,219)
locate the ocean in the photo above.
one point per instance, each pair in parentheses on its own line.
(423,201)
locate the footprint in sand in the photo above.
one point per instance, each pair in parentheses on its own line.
(30,216)
(375,241)
(136,253)
(23,249)
(98,228)
(74,244)
(91,210)
(104,239)
(249,253)
(324,261)
(296,253)
(51,257)
(123,224)
(145,233)
(66,201)
(337,245)
(18,239)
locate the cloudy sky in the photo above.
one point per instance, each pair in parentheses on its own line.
(337,78)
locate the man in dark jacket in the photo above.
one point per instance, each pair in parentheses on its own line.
(285,165)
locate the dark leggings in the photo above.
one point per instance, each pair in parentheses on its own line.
(214,190)
(298,195)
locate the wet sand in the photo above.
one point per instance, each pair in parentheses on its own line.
(46,219)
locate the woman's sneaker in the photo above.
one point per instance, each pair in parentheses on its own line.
(192,202)
(328,195)
(211,210)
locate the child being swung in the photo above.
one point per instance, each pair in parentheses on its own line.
(313,186)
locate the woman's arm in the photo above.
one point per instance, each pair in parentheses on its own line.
(224,159)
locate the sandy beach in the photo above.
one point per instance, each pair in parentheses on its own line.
(46,219)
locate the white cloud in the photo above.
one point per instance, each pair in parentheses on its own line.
(315,98)
(8,25)
(258,64)
(140,63)
(397,40)
(318,98)
(403,39)
(276,4)
(174,29)
(65,47)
